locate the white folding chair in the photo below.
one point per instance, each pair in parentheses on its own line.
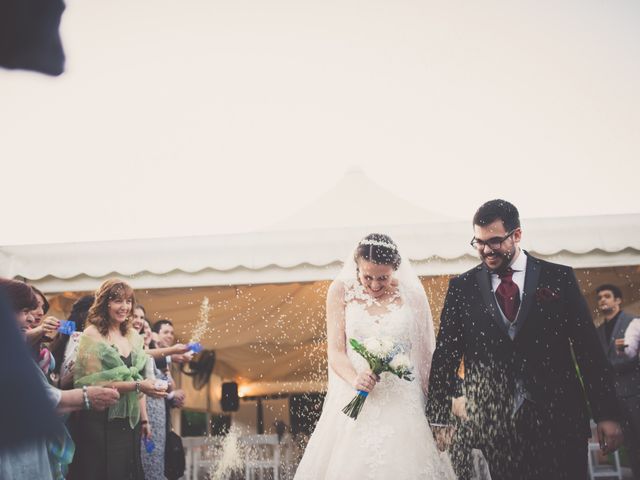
(202,454)
(190,444)
(286,453)
(597,469)
(262,452)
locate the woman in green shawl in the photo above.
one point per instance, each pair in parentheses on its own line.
(111,354)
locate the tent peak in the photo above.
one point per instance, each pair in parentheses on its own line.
(355,169)
(357,200)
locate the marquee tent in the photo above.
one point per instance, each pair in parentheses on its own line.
(266,289)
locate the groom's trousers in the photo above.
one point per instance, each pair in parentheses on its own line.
(527,448)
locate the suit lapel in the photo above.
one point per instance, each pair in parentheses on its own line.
(531,277)
(484,282)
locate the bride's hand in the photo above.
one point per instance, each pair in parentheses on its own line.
(365,381)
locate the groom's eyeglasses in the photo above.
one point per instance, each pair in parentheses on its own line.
(493,243)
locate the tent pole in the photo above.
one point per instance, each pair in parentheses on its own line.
(260,415)
(208,415)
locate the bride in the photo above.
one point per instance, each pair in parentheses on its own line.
(376,295)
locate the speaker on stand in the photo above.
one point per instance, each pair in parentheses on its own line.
(229,400)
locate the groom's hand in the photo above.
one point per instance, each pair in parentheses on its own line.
(609,436)
(459,407)
(443,436)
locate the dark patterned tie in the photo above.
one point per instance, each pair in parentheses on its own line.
(508,295)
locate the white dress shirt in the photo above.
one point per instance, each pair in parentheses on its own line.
(632,338)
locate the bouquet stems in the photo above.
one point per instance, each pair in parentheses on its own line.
(353,408)
(389,358)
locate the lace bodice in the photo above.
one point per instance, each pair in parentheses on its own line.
(366,318)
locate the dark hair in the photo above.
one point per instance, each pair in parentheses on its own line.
(158,325)
(144,312)
(45,302)
(99,312)
(20,295)
(79,312)
(498,209)
(378,248)
(152,343)
(617,293)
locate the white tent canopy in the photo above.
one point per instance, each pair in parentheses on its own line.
(326,232)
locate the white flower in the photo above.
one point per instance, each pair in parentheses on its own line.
(388,345)
(400,362)
(373,346)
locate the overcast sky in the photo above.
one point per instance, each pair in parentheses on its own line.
(206,116)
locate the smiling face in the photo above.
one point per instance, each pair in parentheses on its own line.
(375,278)
(138,319)
(112,306)
(496,259)
(166,337)
(608,304)
(36,315)
(119,309)
(146,332)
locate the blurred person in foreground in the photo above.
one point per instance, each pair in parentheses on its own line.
(45,454)
(29,35)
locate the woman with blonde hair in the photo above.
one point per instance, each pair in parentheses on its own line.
(111,354)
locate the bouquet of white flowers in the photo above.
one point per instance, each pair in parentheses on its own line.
(382,355)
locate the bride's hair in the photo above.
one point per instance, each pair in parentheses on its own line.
(378,248)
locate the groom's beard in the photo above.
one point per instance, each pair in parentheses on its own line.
(505,257)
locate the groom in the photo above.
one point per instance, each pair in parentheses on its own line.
(518,322)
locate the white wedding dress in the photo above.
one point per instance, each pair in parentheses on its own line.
(390,439)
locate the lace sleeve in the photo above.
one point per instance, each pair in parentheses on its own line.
(423,336)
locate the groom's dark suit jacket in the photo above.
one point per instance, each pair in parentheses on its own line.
(553,315)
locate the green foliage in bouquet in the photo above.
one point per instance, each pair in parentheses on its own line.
(378,365)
